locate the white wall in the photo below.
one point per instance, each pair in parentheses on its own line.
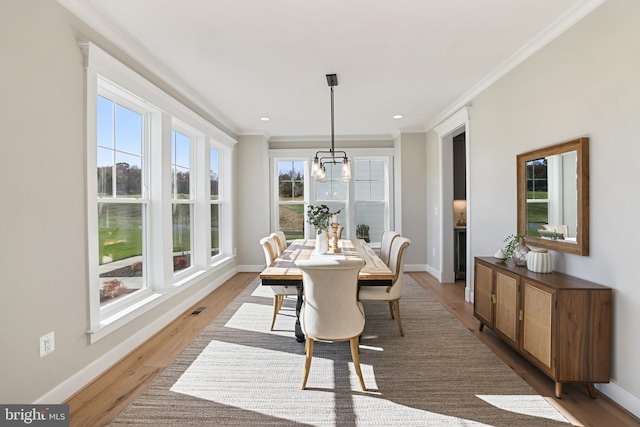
(411,148)
(253,214)
(42,216)
(584,83)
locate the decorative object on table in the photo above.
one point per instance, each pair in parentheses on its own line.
(516,249)
(333,248)
(362,232)
(322,243)
(320,217)
(539,261)
(520,253)
(500,255)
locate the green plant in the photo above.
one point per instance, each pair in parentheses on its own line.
(320,217)
(512,242)
(362,232)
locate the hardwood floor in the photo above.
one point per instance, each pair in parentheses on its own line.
(100,402)
(575,405)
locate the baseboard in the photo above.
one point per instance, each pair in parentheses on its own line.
(621,396)
(435,273)
(415,267)
(250,268)
(76,382)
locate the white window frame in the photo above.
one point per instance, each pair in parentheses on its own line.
(279,154)
(194,184)
(388,165)
(275,223)
(104,73)
(222,191)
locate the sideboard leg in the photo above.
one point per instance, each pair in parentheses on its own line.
(559,390)
(481,327)
(592,390)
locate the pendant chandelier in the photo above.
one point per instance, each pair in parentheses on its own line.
(321,158)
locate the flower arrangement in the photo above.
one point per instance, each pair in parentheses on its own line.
(320,217)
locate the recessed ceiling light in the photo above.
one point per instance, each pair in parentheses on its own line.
(265,118)
(398,116)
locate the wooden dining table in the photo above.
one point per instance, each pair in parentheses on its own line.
(283,270)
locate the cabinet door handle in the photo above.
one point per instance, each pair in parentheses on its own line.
(493,298)
(521,316)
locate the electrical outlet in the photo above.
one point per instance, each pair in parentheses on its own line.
(47,344)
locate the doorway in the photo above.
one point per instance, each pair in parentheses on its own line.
(456,127)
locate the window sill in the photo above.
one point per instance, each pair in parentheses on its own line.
(127,315)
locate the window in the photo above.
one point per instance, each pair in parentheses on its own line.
(182,200)
(291,198)
(151,202)
(334,192)
(371,206)
(214,189)
(365,199)
(121,204)
(537,195)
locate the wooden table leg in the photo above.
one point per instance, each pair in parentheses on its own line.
(481,327)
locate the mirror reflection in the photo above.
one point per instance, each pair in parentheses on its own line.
(552,197)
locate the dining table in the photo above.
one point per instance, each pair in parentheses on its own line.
(283,270)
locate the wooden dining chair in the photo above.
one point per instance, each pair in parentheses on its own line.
(392,293)
(270,248)
(385,244)
(330,309)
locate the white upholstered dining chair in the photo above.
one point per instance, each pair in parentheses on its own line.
(392,293)
(281,241)
(330,309)
(270,248)
(385,244)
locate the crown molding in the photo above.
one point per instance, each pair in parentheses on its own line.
(546,36)
(327,138)
(94,19)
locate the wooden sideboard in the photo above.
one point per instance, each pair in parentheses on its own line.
(560,323)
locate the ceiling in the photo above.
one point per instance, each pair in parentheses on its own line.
(242,60)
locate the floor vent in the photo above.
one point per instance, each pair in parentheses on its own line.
(197,311)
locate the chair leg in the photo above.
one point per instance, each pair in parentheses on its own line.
(396,309)
(276,299)
(391,309)
(308,346)
(280,301)
(355,350)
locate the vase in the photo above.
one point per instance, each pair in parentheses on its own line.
(520,253)
(322,243)
(539,261)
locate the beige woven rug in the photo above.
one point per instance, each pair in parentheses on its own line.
(239,373)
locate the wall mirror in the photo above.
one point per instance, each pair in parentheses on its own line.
(553,197)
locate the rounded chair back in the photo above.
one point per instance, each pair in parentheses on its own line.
(330,309)
(396,265)
(270,247)
(385,244)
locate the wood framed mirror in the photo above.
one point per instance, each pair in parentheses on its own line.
(553,197)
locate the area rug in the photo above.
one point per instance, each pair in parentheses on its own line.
(238,373)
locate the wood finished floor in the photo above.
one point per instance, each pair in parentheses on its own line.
(100,402)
